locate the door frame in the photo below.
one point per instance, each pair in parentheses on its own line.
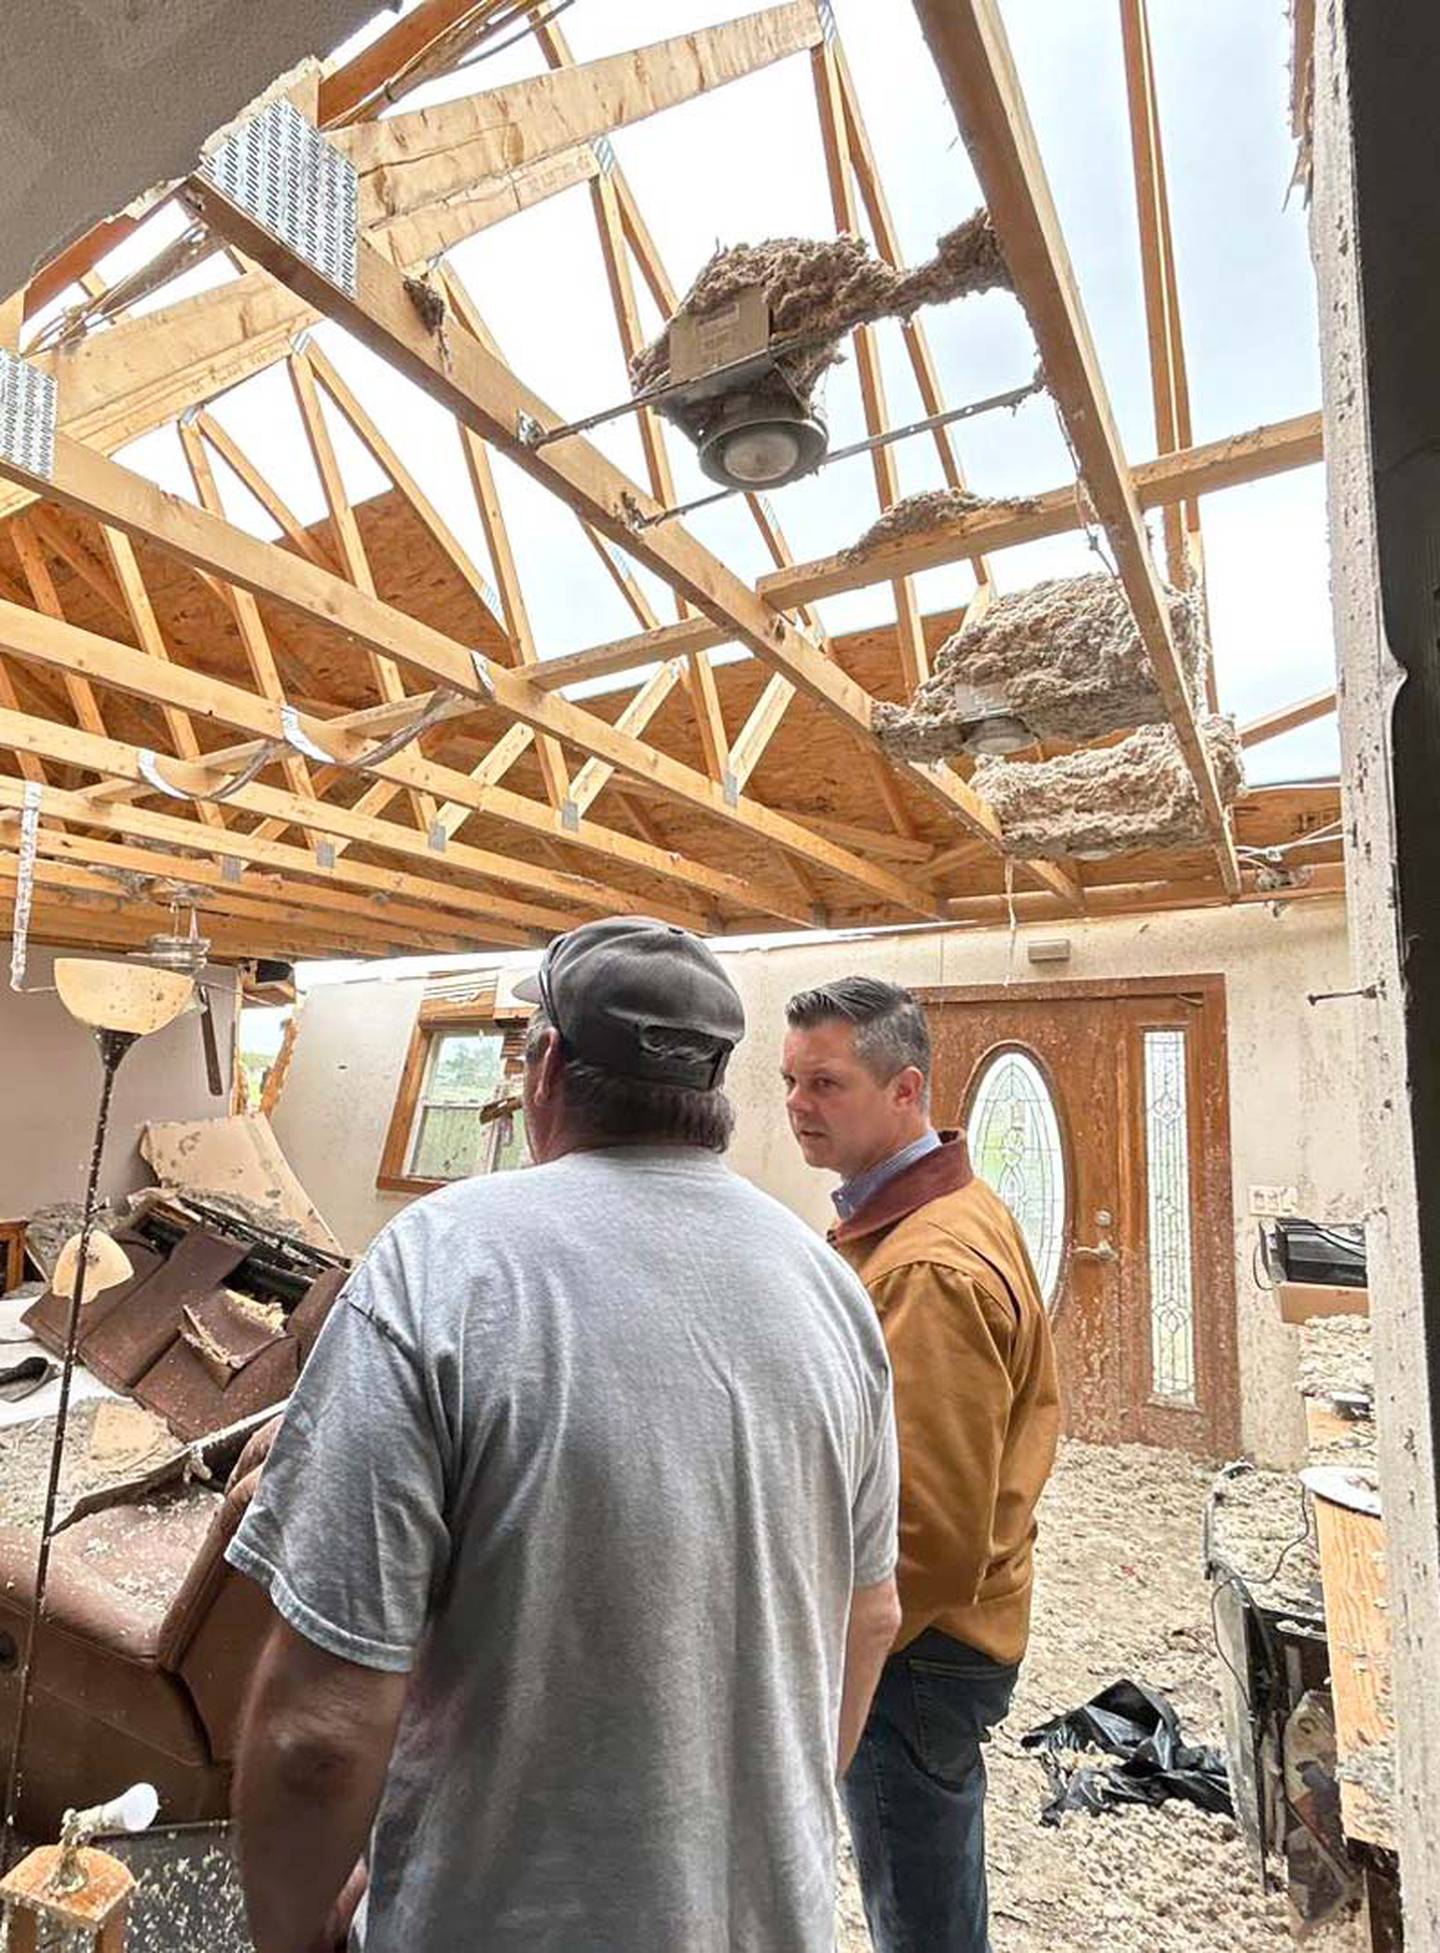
(1211,1426)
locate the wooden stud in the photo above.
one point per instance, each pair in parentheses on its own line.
(261,487)
(147,629)
(42,589)
(415,158)
(1303,713)
(374,889)
(914,658)
(972,54)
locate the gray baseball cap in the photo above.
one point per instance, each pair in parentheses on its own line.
(641,998)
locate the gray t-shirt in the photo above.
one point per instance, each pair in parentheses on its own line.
(597,1451)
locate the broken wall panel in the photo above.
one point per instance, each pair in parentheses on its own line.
(1064,657)
(1109,800)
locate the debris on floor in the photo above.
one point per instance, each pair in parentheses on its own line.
(1140,1728)
(932,506)
(87,1467)
(1064,657)
(1260,1526)
(1336,1359)
(1120,1590)
(1107,800)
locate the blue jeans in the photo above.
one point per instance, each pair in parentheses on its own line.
(915,1797)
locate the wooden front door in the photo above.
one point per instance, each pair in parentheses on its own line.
(1100,1112)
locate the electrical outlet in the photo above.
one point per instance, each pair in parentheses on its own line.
(1274,1200)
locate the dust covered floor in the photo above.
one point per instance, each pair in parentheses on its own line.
(1119,1592)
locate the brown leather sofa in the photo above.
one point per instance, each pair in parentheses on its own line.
(176,1336)
(144,1654)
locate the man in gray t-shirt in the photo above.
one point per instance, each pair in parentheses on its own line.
(580,1529)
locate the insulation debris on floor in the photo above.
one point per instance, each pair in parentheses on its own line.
(1335,1358)
(1106,800)
(1120,1591)
(1064,657)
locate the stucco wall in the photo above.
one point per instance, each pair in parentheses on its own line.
(50,1083)
(1293,1077)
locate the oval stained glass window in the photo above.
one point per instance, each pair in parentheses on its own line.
(1015,1146)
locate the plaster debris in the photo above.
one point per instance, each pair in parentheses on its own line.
(824,287)
(927,510)
(1107,800)
(126,1437)
(25,1464)
(1120,1590)
(1335,1358)
(1066,657)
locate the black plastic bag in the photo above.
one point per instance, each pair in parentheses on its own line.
(1141,1728)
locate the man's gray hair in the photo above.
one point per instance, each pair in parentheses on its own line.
(608,1109)
(890,1027)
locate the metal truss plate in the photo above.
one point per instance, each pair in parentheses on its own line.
(282,171)
(27,415)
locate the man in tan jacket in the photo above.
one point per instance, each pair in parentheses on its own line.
(977,1410)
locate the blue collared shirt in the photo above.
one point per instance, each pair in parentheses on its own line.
(852,1195)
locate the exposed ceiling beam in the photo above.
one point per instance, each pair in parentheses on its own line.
(372,624)
(70,747)
(372,884)
(140,373)
(466,377)
(90,482)
(972,53)
(1302,713)
(67,863)
(1202,470)
(412,159)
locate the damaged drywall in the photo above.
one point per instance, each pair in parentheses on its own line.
(1064,657)
(1133,796)
(821,288)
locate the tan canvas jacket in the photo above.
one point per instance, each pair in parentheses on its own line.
(976,1395)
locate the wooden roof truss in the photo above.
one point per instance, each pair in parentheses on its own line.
(329,755)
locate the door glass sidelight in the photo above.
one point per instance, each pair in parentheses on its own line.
(1171,1259)
(1015,1146)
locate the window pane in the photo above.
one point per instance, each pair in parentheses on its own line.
(510,1148)
(1015,1145)
(464,1068)
(1167,1175)
(450,1143)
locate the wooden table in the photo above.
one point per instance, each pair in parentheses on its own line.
(1357,1627)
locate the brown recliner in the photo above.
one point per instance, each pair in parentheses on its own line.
(143,1657)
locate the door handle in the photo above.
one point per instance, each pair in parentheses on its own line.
(1102,1251)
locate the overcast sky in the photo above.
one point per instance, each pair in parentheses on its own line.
(746,163)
